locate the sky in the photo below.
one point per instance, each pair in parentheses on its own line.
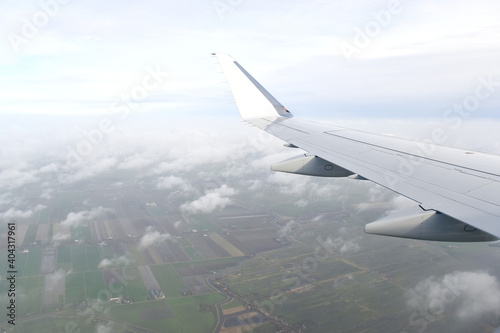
(140,85)
(88,87)
(330,59)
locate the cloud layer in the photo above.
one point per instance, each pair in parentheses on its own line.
(75,219)
(211,201)
(86,65)
(153,238)
(473,295)
(114,262)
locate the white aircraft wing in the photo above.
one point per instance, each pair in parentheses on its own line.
(458,190)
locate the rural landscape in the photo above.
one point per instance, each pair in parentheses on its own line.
(136,153)
(113,254)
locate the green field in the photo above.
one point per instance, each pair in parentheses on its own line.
(223,262)
(78,258)
(137,255)
(93,257)
(189,316)
(234,303)
(201,222)
(44,216)
(30,291)
(94,286)
(168,279)
(192,253)
(30,234)
(135,286)
(81,233)
(75,290)
(184,242)
(32,266)
(138,315)
(359,288)
(63,254)
(58,323)
(21,259)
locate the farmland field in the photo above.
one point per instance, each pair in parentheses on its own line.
(138,264)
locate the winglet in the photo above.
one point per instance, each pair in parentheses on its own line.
(252,99)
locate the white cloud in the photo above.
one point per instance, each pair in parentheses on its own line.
(46,194)
(78,218)
(304,186)
(301,203)
(400,203)
(52,167)
(13,213)
(344,243)
(6,198)
(152,238)
(87,168)
(135,162)
(60,236)
(109,327)
(52,281)
(114,262)
(472,295)
(255,184)
(171,182)
(211,201)
(287,229)
(290,184)
(40,207)
(317,218)
(13,178)
(429,32)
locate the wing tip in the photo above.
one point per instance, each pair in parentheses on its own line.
(252,99)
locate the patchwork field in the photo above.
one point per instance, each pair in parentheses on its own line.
(133,262)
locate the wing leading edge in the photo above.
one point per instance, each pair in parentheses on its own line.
(457,190)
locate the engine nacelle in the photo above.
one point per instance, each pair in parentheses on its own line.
(311,165)
(427,225)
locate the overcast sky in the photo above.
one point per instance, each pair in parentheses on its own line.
(133,63)
(320,58)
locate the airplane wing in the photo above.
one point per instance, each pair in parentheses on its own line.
(458,191)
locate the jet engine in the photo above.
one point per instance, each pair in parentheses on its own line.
(427,225)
